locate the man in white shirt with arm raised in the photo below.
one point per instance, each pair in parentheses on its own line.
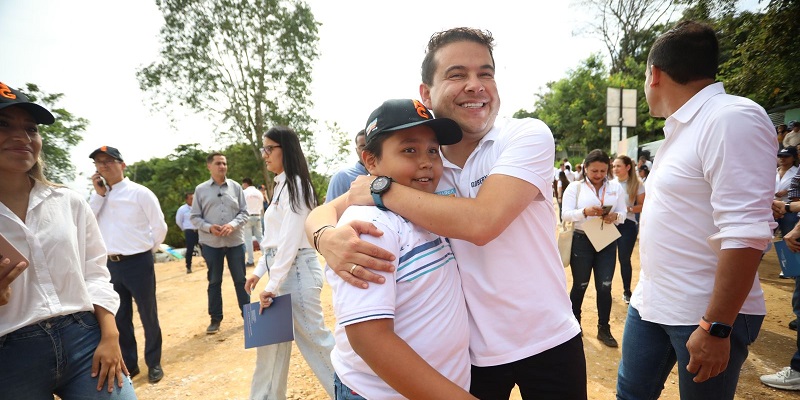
(133,226)
(253,227)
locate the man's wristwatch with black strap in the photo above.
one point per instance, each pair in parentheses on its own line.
(788,207)
(378,187)
(718,329)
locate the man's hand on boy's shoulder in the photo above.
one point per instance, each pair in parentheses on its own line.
(352,258)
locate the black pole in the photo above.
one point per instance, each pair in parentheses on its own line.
(620,116)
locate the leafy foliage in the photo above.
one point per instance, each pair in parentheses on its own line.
(60,137)
(244,63)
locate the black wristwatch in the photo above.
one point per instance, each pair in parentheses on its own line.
(718,329)
(788,207)
(378,187)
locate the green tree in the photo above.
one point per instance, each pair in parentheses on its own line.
(244,63)
(58,138)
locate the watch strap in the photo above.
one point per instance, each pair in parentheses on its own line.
(378,201)
(788,207)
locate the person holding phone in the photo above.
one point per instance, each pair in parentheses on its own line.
(57,330)
(594,197)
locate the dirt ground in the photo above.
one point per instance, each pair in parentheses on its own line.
(197,365)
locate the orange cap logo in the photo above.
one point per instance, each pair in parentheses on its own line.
(104,148)
(421,109)
(6,92)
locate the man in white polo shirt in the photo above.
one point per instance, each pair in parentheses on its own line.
(494,202)
(703,229)
(253,227)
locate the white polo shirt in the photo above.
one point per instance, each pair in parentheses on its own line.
(515,285)
(711,188)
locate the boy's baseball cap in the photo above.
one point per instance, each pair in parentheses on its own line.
(394,115)
(790,151)
(10,97)
(111,151)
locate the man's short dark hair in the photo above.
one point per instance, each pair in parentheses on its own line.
(687,52)
(187,194)
(359,134)
(211,156)
(248,181)
(441,39)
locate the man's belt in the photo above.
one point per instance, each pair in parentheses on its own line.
(255,215)
(120,257)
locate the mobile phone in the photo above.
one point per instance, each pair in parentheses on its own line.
(606,210)
(102,180)
(7,250)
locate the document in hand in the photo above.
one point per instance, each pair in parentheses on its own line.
(274,325)
(790,261)
(599,233)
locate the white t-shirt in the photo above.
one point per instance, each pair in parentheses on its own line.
(702,197)
(515,285)
(423,296)
(254,200)
(785,182)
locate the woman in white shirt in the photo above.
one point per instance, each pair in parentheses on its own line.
(787,169)
(293,268)
(57,329)
(634,199)
(591,198)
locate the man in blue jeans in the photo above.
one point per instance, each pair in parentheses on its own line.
(219,212)
(707,220)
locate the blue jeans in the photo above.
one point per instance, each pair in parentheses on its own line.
(315,342)
(252,228)
(650,351)
(54,356)
(342,392)
(583,261)
(787,222)
(215,259)
(134,279)
(192,238)
(628,230)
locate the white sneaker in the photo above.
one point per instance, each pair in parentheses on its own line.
(786,378)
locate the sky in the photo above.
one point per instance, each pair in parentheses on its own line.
(371,51)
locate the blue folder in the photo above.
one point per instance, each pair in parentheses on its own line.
(790,261)
(272,326)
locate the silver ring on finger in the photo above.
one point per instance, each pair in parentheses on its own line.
(353,268)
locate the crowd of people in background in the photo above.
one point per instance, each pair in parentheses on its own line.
(698,302)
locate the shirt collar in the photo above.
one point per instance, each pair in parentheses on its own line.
(691,107)
(280,178)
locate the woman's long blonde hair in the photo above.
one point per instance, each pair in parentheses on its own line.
(633,178)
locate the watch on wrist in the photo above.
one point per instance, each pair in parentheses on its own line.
(378,187)
(718,329)
(788,207)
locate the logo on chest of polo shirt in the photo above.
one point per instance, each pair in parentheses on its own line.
(478,182)
(447,192)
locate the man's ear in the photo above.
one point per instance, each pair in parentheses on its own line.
(655,75)
(425,95)
(370,162)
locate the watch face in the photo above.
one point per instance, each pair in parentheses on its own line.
(720,330)
(380,184)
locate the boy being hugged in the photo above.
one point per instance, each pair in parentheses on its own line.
(407,338)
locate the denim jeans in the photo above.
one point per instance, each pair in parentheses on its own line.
(252,228)
(787,222)
(134,279)
(650,351)
(54,356)
(342,392)
(628,230)
(558,373)
(192,238)
(583,261)
(215,257)
(304,281)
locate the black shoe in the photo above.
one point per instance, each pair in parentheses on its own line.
(155,374)
(793,325)
(604,335)
(249,264)
(213,327)
(626,298)
(188,270)
(134,372)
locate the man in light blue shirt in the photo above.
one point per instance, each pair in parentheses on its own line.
(183,220)
(340,182)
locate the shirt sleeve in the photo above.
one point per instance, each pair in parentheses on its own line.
(569,203)
(528,153)
(741,192)
(95,273)
(179,216)
(337,186)
(155,217)
(96,203)
(621,206)
(196,214)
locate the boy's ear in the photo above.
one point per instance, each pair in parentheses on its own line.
(370,162)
